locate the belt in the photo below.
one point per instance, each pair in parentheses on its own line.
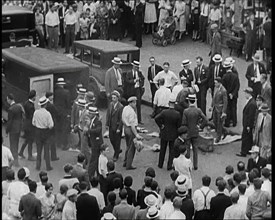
(68,25)
(53,26)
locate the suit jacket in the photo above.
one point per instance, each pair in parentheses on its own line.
(211,75)
(130,84)
(52,109)
(267,94)
(203,76)
(259,165)
(216,47)
(110,178)
(124,211)
(30,207)
(218,204)
(191,117)
(80,173)
(188,75)
(131,196)
(95,133)
(75,114)
(168,121)
(263,138)
(231,83)
(249,112)
(62,101)
(150,76)
(250,72)
(139,14)
(219,101)
(111,81)
(113,116)
(29,110)
(15,118)
(87,207)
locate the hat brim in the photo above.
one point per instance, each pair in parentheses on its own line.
(153,217)
(80,104)
(256,59)
(218,61)
(114,62)
(133,64)
(253,151)
(148,204)
(60,83)
(179,193)
(43,103)
(183,65)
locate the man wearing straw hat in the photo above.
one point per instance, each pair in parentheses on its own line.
(113,78)
(256,161)
(186,72)
(43,122)
(253,74)
(215,71)
(150,201)
(63,106)
(231,83)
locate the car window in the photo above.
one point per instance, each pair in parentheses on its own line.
(125,58)
(77,52)
(86,58)
(96,59)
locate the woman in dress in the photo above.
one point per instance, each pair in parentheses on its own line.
(150,15)
(179,14)
(165,8)
(47,202)
(195,18)
(114,22)
(102,19)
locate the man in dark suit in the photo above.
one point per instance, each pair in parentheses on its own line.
(95,139)
(63,106)
(79,171)
(168,121)
(231,83)
(153,70)
(256,161)
(215,71)
(29,205)
(86,205)
(191,118)
(138,18)
(253,74)
(112,174)
(266,91)
(14,125)
(186,72)
(29,131)
(220,202)
(134,81)
(201,80)
(114,123)
(219,107)
(61,13)
(249,112)
(131,194)
(215,42)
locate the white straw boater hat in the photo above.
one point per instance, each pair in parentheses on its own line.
(81,102)
(43,100)
(182,183)
(152,213)
(116,60)
(150,200)
(92,109)
(81,90)
(60,81)
(136,63)
(185,63)
(217,58)
(230,59)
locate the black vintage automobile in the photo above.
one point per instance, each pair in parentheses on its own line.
(21,22)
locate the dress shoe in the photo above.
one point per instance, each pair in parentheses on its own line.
(217,140)
(124,165)
(224,135)
(31,158)
(169,168)
(55,159)
(241,155)
(141,123)
(115,159)
(131,168)
(195,168)
(49,169)
(159,166)
(21,156)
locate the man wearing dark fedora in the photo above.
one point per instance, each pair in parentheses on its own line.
(186,72)
(168,121)
(114,123)
(253,74)
(43,122)
(63,106)
(134,81)
(181,140)
(249,112)
(231,83)
(113,78)
(191,118)
(215,70)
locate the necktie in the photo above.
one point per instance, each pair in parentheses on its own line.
(262,124)
(255,70)
(217,72)
(200,73)
(153,71)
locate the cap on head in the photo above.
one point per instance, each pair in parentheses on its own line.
(214,26)
(116,93)
(255,149)
(132,98)
(248,90)
(71,192)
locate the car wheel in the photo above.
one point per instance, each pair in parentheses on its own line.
(155,41)
(164,43)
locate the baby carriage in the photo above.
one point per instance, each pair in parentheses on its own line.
(165,33)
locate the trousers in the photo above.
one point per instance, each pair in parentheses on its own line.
(247,141)
(53,37)
(85,149)
(42,141)
(14,142)
(218,122)
(194,142)
(130,147)
(203,25)
(115,139)
(163,146)
(69,37)
(231,111)
(93,162)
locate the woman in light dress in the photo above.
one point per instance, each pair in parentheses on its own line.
(165,7)
(48,203)
(179,14)
(150,15)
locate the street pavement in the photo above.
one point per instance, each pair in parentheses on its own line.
(212,164)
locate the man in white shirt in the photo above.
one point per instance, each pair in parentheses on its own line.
(69,24)
(7,160)
(167,208)
(267,185)
(177,214)
(52,27)
(15,191)
(69,209)
(234,211)
(94,191)
(170,77)
(42,121)
(204,19)
(202,198)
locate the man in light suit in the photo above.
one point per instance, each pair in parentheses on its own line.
(29,205)
(263,131)
(113,78)
(14,125)
(153,70)
(123,210)
(215,42)
(249,112)
(253,74)
(114,123)
(219,107)
(201,80)
(266,92)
